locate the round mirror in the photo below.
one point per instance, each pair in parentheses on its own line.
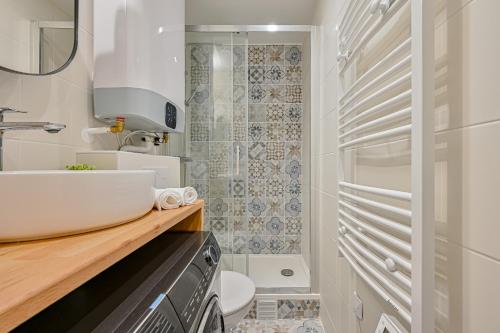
(38,37)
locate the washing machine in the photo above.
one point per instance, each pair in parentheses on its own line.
(169,285)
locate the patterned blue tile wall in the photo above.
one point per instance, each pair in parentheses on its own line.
(256,109)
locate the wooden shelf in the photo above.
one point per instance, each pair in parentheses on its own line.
(35,274)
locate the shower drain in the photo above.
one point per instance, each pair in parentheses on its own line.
(287,272)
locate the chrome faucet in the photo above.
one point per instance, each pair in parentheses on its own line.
(19,126)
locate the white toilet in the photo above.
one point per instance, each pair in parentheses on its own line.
(236,297)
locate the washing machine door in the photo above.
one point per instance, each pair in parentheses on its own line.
(212,320)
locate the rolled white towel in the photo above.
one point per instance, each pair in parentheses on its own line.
(188,194)
(167,199)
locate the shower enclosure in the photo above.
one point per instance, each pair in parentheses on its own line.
(247,138)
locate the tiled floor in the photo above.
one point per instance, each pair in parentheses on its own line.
(279,326)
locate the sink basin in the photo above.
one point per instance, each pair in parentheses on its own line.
(43,204)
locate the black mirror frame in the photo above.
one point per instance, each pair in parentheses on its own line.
(70,59)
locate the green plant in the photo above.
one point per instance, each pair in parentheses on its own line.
(80,167)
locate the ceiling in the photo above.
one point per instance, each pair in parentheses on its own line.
(246,12)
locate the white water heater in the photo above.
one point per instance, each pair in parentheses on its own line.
(139,63)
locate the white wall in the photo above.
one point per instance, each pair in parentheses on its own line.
(467,180)
(337,280)
(467,164)
(242,12)
(65,98)
(324,165)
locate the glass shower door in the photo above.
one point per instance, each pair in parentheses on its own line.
(216,137)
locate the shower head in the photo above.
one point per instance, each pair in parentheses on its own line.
(186,103)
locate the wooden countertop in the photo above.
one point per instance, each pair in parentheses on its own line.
(35,274)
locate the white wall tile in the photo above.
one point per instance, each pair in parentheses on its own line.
(469,66)
(45,99)
(44,156)
(326,319)
(445,9)
(345,318)
(471,182)
(328,216)
(330,47)
(325,168)
(330,92)
(314,171)
(328,134)
(65,98)
(328,173)
(10,90)
(467,165)
(86,21)
(330,307)
(11,160)
(473,292)
(81,70)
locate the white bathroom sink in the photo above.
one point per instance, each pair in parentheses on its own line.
(43,204)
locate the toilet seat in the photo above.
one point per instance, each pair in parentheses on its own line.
(237,292)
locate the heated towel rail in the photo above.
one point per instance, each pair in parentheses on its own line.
(385,79)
